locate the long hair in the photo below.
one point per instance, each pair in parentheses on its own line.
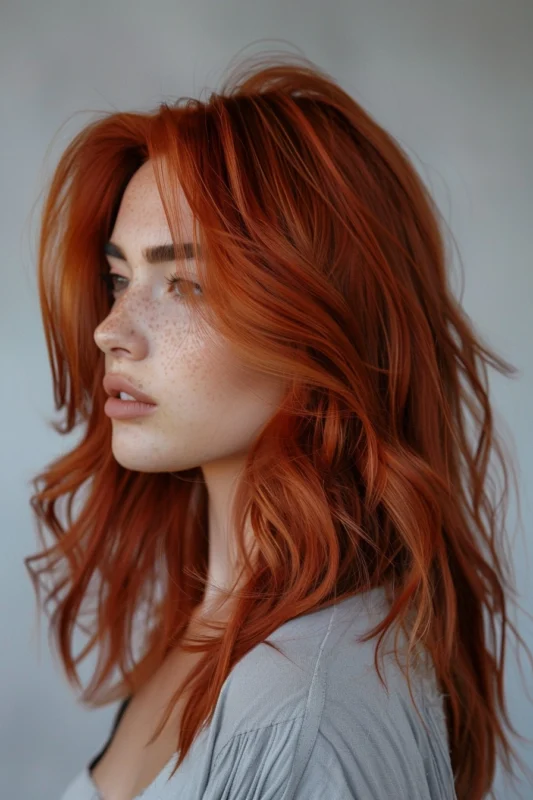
(323,262)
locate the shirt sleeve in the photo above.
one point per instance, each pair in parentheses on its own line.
(255,764)
(270,764)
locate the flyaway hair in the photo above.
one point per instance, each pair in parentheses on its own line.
(322,262)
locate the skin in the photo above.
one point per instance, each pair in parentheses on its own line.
(210,405)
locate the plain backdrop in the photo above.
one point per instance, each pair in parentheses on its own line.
(451,80)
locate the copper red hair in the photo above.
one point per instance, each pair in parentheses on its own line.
(323,259)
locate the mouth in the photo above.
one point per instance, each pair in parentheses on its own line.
(121,388)
(123,406)
(127,397)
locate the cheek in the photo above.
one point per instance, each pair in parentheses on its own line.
(181,354)
(246,400)
(196,373)
(206,380)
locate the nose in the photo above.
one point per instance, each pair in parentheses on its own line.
(117,334)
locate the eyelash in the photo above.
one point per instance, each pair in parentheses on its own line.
(108,278)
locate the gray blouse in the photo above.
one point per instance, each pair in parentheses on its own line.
(318,725)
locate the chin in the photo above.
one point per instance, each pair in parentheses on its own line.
(135,463)
(135,455)
(144,456)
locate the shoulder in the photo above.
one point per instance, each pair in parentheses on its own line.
(318,711)
(324,663)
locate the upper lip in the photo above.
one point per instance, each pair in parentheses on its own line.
(114,384)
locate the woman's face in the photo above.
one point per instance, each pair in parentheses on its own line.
(210,406)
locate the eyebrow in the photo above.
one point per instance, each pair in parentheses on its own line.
(160,254)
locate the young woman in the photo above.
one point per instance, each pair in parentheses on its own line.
(296,567)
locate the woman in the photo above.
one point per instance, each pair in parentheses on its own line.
(289,527)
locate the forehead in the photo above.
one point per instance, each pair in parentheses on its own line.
(141,210)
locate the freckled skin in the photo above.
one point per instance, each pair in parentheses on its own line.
(210,406)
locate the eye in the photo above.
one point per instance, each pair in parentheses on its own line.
(174,280)
(109,279)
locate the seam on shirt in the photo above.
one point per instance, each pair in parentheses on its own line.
(298,716)
(294,780)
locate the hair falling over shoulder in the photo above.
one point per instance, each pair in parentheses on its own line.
(323,259)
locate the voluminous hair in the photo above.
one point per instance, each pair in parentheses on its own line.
(323,262)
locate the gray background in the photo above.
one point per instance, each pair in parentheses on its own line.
(452,81)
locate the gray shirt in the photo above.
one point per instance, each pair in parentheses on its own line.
(315,725)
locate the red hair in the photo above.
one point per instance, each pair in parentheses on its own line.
(323,260)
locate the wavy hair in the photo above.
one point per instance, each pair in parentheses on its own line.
(324,262)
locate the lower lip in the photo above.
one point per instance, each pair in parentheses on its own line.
(126,409)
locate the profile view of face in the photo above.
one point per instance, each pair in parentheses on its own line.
(209,405)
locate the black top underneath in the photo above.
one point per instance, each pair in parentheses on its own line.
(118,717)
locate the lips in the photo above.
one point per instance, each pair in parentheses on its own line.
(114,384)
